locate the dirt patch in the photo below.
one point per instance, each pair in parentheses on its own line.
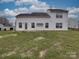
(29,53)
(8,35)
(23,55)
(35,48)
(10,53)
(57,45)
(72,54)
(39,38)
(42,53)
(1,36)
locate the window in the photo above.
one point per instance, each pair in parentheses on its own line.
(59,16)
(20,25)
(0,29)
(58,25)
(46,25)
(25,25)
(33,25)
(40,24)
(11,29)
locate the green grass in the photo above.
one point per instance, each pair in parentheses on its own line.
(59,45)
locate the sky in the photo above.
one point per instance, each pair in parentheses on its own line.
(10,8)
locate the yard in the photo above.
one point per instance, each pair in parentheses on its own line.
(39,45)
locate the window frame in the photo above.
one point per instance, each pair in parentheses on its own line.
(59,25)
(20,24)
(33,25)
(59,15)
(46,25)
(39,24)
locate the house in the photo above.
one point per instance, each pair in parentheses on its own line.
(53,19)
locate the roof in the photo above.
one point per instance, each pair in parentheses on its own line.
(34,15)
(40,14)
(58,10)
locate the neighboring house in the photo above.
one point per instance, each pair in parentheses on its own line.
(5,25)
(73,23)
(1,27)
(53,19)
(6,28)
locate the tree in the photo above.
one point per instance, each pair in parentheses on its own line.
(4,21)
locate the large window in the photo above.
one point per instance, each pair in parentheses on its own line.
(46,25)
(39,24)
(59,16)
(58,25)
(33,25)
(20,25)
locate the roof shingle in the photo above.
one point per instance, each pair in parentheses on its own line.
(34,15)
(58,10)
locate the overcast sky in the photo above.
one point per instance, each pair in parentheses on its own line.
(11,8)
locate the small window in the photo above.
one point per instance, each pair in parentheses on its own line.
(20,25)
(58,25)
(33,25)
(46,25)
(11,29)
(25,25)
(0,29)
(40,24)
(5,29)
(59,16)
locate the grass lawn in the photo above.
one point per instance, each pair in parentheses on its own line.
(39,45)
